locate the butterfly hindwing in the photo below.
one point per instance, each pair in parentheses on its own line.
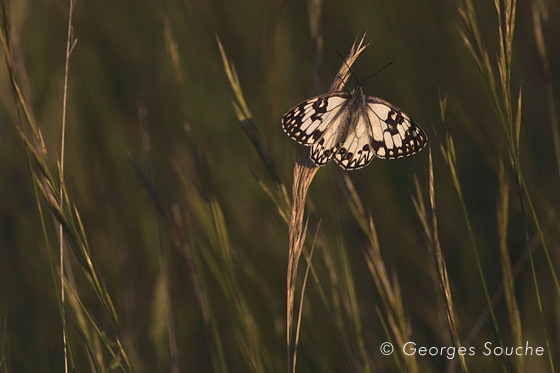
(356,151)
(353,128)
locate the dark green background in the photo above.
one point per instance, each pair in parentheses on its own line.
(120,63)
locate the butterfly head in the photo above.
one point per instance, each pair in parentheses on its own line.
(357,88)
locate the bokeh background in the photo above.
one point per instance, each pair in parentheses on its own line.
(152,134)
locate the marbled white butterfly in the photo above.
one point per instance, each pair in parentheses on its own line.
(353,128)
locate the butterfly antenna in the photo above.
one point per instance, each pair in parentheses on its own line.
(378,71)
(349,68)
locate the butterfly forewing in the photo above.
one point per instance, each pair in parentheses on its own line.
(353,128)
(306,122)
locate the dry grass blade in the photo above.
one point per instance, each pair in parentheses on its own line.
(303,174)
(302,293)
(342,74)
(69,47)
(279,194)
(449,155)
(505,263)
(430,225)
(246,118)
(391,296)
(441,268)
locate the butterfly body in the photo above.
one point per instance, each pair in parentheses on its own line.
(353,128)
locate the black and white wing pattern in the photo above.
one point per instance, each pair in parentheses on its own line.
(353,128)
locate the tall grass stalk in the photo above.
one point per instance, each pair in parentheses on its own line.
(309,258)
(70,43)
(449,154)
(304,172)
(505,263)
(279,194)
(511,125)
(53,191)
(510,122)
(431,232)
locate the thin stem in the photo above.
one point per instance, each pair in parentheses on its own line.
(69,46)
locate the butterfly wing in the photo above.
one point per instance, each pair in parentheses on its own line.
(316,122)
(394,133)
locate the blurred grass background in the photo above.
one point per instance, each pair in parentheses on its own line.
(193,253)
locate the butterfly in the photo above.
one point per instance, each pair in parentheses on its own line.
(353,128)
